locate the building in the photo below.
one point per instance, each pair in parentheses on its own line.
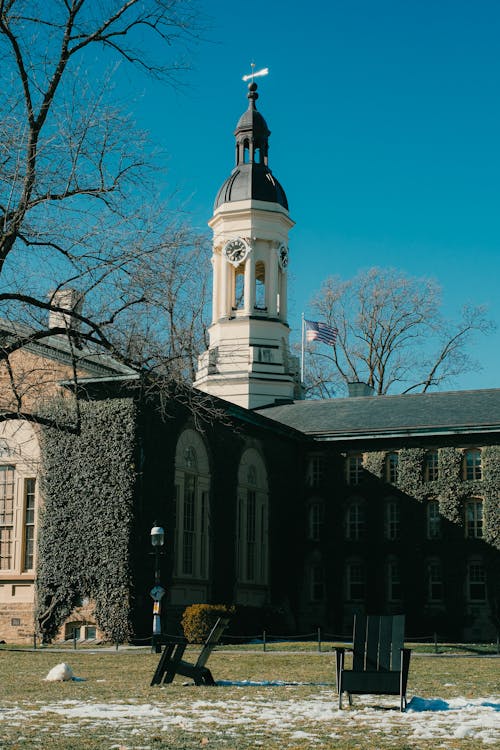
(318,508)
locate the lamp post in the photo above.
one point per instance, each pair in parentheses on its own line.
(157,592)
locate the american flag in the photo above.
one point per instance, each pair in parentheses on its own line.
(320,332)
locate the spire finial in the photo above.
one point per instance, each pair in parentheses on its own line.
(255,73)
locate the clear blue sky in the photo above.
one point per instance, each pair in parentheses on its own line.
(385,121)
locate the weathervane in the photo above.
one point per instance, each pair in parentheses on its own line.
(255,73)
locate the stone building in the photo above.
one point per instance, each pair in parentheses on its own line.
(317,508)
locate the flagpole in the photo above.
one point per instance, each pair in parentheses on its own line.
(302,353)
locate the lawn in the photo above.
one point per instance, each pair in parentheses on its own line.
(113,707)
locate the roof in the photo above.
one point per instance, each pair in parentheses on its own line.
(371,417)
(56,347)
(251,182)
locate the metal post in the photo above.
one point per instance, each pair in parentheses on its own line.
(319,640)
(157,539)
(435,643)
(34,641)
(264,640)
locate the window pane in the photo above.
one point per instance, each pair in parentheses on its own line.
(29,523)
(6,517)
(472,464)
(431,466)
(354,469)
(391,467)
(355,521)
(474,518)
(433,520)
(392,520)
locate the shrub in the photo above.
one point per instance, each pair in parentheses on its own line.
(199,619)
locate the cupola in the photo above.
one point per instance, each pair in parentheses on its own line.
(251,178)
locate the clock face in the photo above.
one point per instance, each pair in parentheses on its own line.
(236,250)
(283,256)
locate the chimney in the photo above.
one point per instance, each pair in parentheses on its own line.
(357,389)
(68,299)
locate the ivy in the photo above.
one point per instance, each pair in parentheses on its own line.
(88,485)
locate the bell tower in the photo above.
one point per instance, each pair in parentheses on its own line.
(248,360)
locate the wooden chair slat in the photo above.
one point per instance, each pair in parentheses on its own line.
(359,639)
(380,663)
(172,663)
(372,643)
(385,648)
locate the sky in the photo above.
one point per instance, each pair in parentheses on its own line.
(385,128)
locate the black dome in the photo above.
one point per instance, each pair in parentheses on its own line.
(251,182)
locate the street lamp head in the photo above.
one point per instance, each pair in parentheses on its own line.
(157,535)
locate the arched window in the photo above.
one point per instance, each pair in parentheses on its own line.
(392,519)
(192,481)
(391,467)
(355,521)
(434,581)
(476,581)
(433,519)
(474,518)
(252,520)
(260,285)
(472,464)
(431,466)
(239,287)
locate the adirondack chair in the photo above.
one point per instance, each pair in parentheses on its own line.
(172,663)
(380,664)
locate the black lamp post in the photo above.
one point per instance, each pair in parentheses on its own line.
(157,592)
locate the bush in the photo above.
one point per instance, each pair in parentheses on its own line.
(246,621)
(199,619)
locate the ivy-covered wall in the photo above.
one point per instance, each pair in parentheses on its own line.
(450,489)
(88,485)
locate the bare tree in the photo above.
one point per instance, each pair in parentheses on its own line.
(78,206)
(391,335)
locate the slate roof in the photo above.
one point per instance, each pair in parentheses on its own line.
(98,364)
(369,417)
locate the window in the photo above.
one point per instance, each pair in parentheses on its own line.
(239,288)
(393,581)
(315,470)
(354,468)
(355,520)
(433,520)
(29,524)
(188,526)
(474,518)
(252,519)
(391,467)
(434,581)
(317,583)
(191,516)
(472,464)
(392,520)
(355,575)
(476,581)
(6,517)
(260,286)
(316,516)
(431,466)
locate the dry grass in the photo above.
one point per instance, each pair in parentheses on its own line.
(121,681)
